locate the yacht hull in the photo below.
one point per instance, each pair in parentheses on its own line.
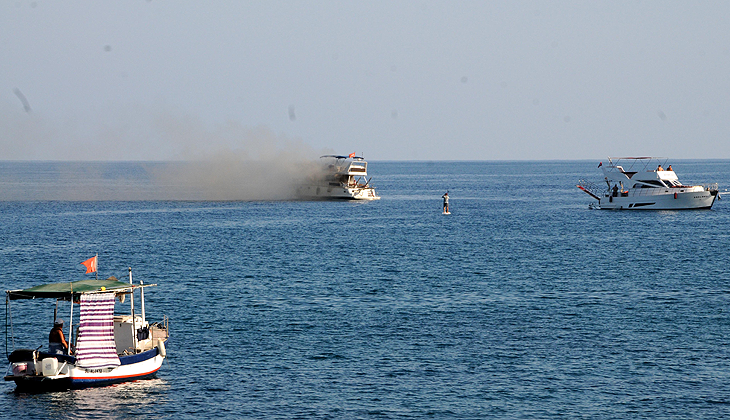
(312,192)
(669,201)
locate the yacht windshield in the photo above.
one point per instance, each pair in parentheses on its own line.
(649,184)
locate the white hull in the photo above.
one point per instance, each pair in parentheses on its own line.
(142,369)
(313,192)
(659,201)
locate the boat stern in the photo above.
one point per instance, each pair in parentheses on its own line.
(364,194)
(37,371)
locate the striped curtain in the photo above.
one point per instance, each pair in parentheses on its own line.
(95,346)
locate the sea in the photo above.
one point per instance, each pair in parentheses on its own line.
(523,303)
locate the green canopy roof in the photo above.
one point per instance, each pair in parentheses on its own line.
(64,290)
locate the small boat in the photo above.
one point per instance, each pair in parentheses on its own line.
(340,177)
(634,183)
(104,349)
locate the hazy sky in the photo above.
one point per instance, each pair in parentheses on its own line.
(161,79)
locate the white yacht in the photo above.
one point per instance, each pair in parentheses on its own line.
(340,177)
(643,183)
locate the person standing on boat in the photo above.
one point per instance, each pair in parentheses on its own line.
(56,341)
(446,202)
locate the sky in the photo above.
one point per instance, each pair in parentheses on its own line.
(158,80)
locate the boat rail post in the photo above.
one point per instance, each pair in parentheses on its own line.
(134,322)
(71,317)
(141,292)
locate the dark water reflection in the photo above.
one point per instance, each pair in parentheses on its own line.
(122,401)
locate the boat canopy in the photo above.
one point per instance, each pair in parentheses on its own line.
(341,157)
(64,290)
(646,160)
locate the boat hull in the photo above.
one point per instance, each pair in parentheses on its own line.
(312,192)
(134,367)
(689,200)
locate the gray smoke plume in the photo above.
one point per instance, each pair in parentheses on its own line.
(227,162)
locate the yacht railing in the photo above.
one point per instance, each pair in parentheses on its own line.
(711,187)
(641,192)
(596,190)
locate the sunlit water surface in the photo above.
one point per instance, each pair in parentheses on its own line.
(523,303)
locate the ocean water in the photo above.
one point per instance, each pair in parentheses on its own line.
(522,303)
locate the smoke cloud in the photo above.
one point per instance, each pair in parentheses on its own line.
(227,162)
(232,163)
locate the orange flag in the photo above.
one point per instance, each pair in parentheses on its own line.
(352,155)
(90,264)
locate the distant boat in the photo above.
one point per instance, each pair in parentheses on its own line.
(340,177)
(105,349)
(642,183)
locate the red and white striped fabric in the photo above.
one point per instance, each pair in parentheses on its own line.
(95,348)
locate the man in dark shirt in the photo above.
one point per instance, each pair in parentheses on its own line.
(56,340)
